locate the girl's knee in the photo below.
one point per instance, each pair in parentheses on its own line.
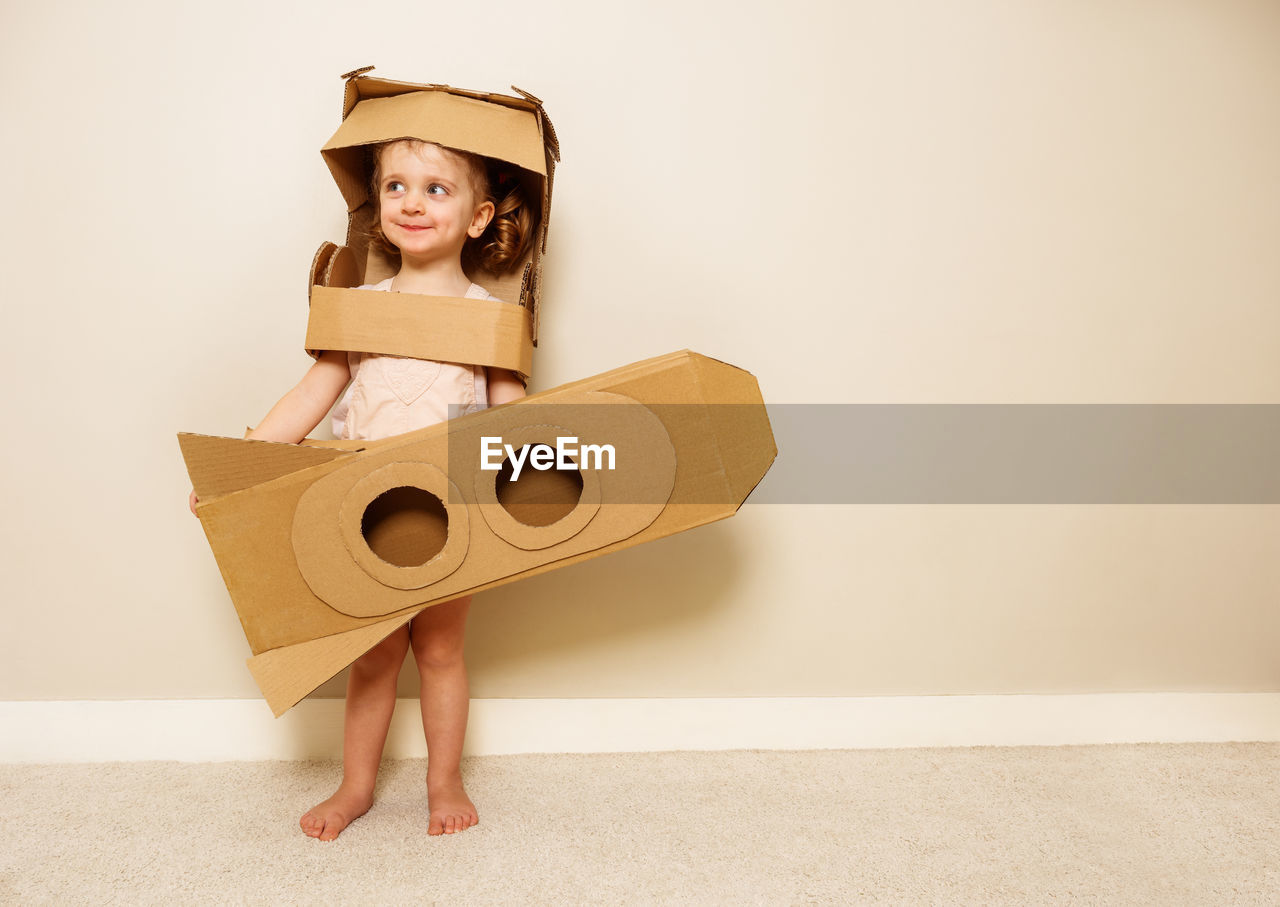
(437,650)
(437,635)
(386,656)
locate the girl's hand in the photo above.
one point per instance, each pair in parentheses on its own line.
(302,408)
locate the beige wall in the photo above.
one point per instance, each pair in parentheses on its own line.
(929,202)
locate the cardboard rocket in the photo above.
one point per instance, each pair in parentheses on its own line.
(326,550)
(328,547)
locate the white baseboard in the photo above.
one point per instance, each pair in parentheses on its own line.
(205,730)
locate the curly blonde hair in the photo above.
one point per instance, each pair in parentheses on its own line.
(509,235)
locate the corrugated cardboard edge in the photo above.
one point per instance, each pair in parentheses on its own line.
(283,674)
(503,132)
(220,466)
(740,420)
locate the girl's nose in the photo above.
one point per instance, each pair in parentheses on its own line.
(411,201)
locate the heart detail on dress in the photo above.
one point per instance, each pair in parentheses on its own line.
(408,378)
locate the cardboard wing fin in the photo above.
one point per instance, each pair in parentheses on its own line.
(219,466)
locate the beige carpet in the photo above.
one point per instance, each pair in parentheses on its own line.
(1152,824)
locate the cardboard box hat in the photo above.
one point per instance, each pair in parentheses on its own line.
(510,129)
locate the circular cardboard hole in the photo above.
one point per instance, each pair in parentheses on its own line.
(405,526)
(539,497)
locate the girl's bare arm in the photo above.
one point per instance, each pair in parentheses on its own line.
(504,386)
(301,410)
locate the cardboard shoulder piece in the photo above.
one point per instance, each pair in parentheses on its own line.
(327,548)
(511,129)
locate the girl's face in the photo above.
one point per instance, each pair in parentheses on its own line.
(428,204)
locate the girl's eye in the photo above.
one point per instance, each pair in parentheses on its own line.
(397,187)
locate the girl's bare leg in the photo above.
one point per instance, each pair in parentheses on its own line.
(371,698)
(437,636)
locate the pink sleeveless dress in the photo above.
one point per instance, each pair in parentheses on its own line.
(391,395)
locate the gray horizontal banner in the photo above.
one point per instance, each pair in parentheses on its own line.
(1024,454)
(976,453)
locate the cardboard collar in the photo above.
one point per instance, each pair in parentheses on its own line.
(444,328)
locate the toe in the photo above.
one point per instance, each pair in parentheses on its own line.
(436,827)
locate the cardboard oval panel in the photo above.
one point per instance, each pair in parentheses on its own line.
(341,569)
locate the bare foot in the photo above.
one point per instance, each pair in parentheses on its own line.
(327,820)
(451,808)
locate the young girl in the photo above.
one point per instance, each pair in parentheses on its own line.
(435,204)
